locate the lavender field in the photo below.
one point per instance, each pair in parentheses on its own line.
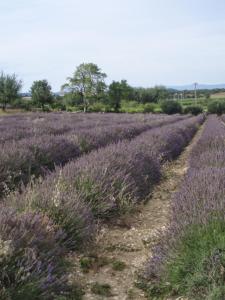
(189,259)
(64,177)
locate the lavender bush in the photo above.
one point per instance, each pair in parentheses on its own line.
(30,255)
(194,239)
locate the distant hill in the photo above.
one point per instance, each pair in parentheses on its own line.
(190,87)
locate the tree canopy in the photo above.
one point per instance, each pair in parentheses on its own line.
(88,81)
(9,88)
(41,93)
(118,91)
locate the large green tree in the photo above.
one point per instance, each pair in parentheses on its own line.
(41,93)
(118,91)
(9,88)
(88,82)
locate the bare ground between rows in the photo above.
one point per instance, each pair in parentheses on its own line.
(131,240)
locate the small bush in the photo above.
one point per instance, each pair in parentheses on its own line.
(64,207)
(97,107)
(149,108)
(101,289)
(46,108)
(216,107)
(193,109)
(118,265)
(171,107)
(30,256)
(58,106)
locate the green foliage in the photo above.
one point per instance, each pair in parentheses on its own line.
(99,107)
(193,109)
(118,265)
(150,95)
(58,104)
(171,107)
(86,264)
(9,89)
(41,93)
(196,267)
(93,262)
(117,91)
(216,107)
(88,82)
(149,108)
(23,104)
(101,289)
(131,107)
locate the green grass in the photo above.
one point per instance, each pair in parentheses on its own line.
(118,265)
(93,262)
(101,289)
(135,107)
(196,268)
(11,111)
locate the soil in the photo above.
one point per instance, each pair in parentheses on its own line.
(127,245)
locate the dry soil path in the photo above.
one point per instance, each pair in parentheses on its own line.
(130,241)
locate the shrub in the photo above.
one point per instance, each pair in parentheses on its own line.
(98,107)
(118,265)
(216,107)
(64,206)
(149,108)
(101,289)
(30,256)
(193,109)
(171,107)
(58,105)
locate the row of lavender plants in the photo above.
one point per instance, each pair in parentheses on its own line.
(20,160)
(49,218)
(189,260)
(16,127)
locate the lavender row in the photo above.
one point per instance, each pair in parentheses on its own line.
(14,128)
(31,251)
(106,182)
(36,156)
(199,201)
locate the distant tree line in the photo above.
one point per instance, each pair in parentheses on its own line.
(87,90)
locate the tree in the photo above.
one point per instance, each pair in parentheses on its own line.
(193,109)
(216,107)
(41,93)
(150,95)
(88,81)
(171,107)
(9,88)
(115,95)
(118,91)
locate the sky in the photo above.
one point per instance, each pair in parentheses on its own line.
(146,42)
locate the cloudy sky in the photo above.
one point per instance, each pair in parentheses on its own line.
(147,42)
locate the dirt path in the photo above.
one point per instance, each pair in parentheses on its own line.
(127,245)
